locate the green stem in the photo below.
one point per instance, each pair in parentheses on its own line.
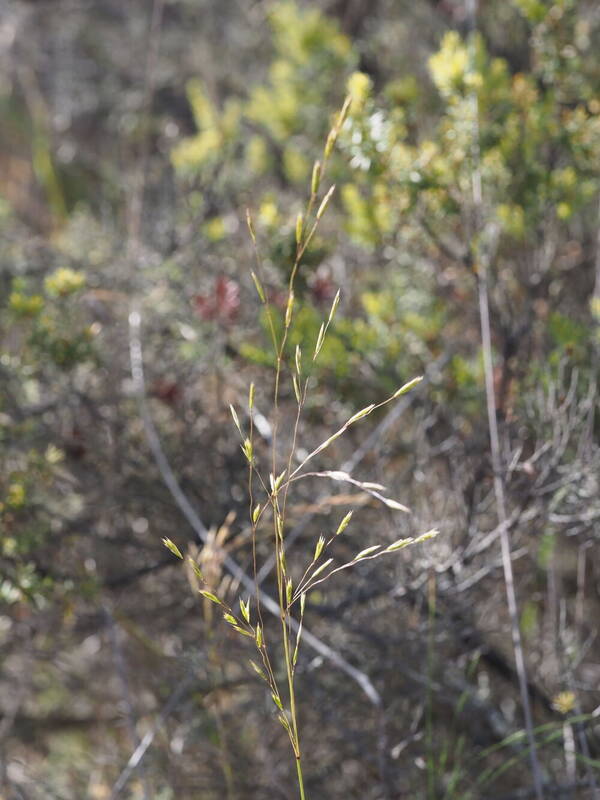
(290,677)
(300,779)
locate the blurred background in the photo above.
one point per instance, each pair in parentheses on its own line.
(133,136)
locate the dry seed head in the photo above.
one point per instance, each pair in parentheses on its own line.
(407,387)
(172,547)
(230,619)
(235,418)
(251,397)
(325,202)
(289,590)
(258,636)
(302,603)
(256,513)
(277,701)
(393,504)
(344,523)
(298,357)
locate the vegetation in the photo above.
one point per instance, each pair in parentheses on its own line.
(161,274)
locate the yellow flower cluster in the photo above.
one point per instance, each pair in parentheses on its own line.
(64,281)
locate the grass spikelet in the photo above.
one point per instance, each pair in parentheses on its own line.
(364,412)
(366,552)
(299,228)
(245,609)
(319,547)
(321,569)
(399,544)
(289,309)
(407,387)
(424,537)
(334,305)
(316,178)
(210,596)
(344,523)
(325,202)
(170,545)
(320,340)
(236,420)
(260,672)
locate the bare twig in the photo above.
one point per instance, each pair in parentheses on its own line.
(481,258)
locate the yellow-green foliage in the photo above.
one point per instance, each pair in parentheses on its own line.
(25,305)
(537,154)
(64,281)
(217,131)
(311,58)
